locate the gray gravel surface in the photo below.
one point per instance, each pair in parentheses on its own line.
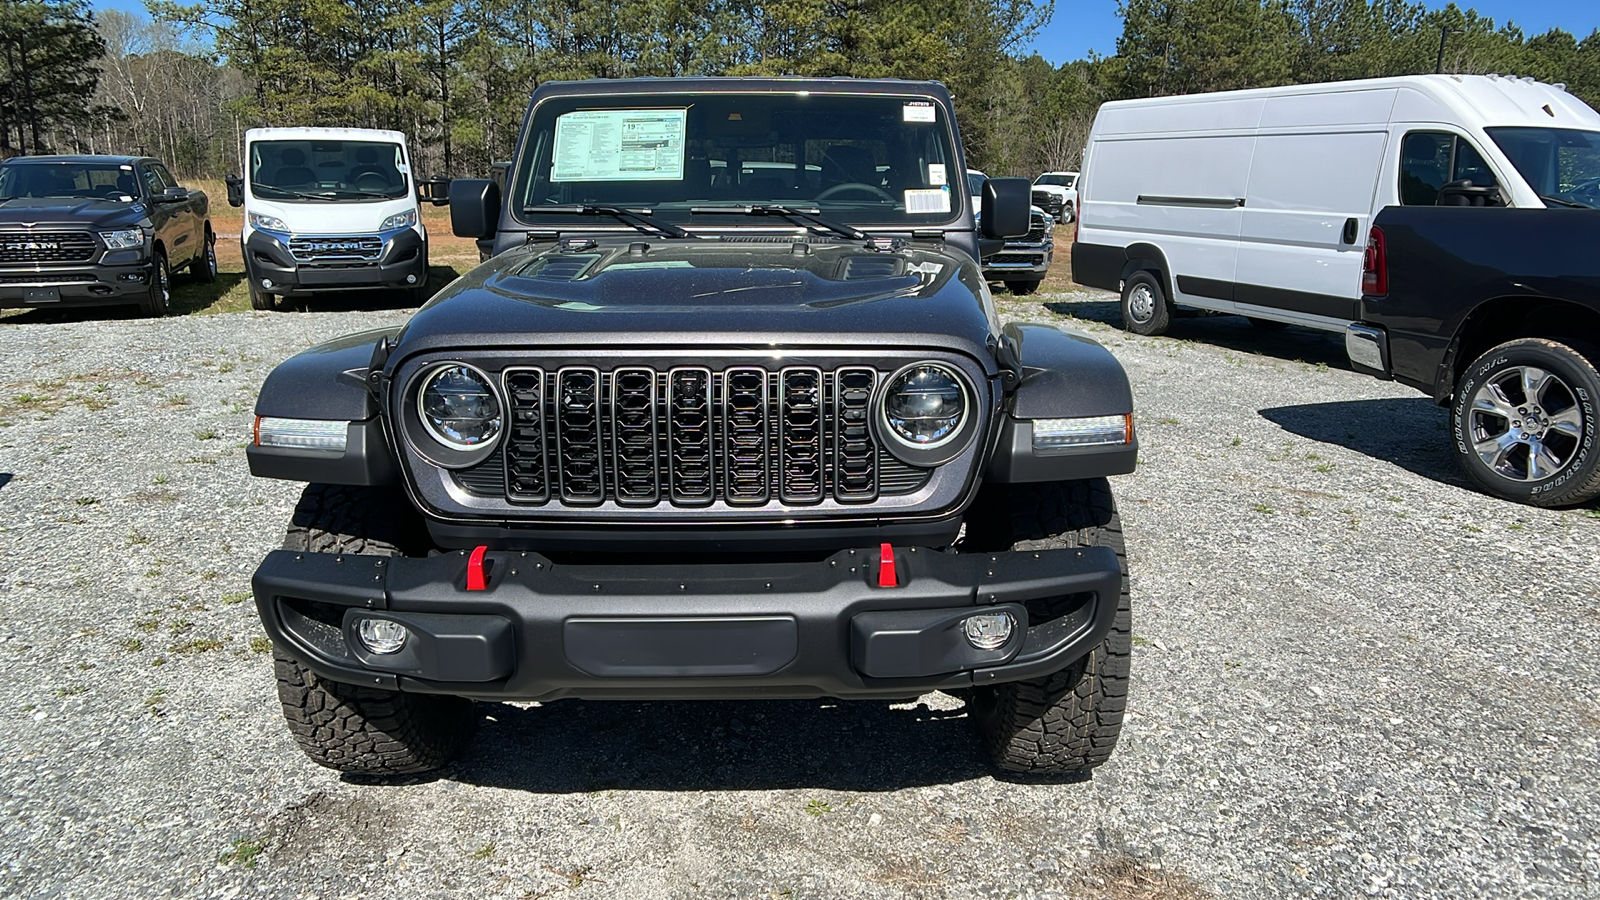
(1353,675)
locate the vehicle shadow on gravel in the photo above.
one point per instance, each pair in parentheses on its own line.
(5,479)
(1410,432)
(1292,343)
(575,746)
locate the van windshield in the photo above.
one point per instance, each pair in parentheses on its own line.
(319,170)
(1561,164)
(699,158)
(1056,180)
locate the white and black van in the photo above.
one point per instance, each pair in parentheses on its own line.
(1259,202)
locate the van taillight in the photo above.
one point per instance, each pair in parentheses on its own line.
(1375,268)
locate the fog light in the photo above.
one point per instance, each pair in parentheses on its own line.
(411,279)
(266,283)
(381,636)
(988,631)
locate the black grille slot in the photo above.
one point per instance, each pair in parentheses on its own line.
(800,419)
(525,477)
(1035,229)
(896,478)
(689,436)
(46,246)
(855,470)
(578,436)
(744,433)
(486,479)
(633,435)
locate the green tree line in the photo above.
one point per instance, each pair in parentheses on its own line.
(455,75)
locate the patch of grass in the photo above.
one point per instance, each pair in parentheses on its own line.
(1121,877)
(1263,508)
(1592,513)
(234,598)
(179,626)
(71,690)
(484,852)
(260,645)
(147,625)
(243,852)
(818,808)
(175,401)
(1167,420)
(225,368)
(86,501)
(136,537)
(201,460)
(133,645)
(162,479)
(197,645)
(206,434)
(1237,441)
(1473,528)
(1324,468)
(1140,641)
(156,698)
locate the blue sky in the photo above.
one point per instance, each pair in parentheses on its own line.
(1080,26)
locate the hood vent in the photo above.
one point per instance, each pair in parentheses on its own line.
(561,268)
(773,239)
(861,268)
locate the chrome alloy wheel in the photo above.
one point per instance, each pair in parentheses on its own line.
(1525,424)
(1141,303)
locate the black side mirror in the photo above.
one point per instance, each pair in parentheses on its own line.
(1465,193)
(235,189)
(435,190)
(474,207)
(174,194)
(1006,208)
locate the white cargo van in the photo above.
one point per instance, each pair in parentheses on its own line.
(329,209)
(1258,202)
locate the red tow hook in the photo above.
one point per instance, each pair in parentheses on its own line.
(475,577)
(886,573)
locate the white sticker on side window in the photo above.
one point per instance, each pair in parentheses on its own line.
(919,111)
(620,145)
(928,201)
(936,174)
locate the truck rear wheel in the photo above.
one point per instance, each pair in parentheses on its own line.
(1524,422)
(1067,722)
(204,267)
(353,728)
(1145,307)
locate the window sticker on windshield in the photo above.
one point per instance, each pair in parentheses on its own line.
(936,175)
(919,111)
(929,201)
(620,145)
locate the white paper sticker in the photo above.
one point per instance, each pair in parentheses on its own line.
(402,168)
(936,200)
(620,145)
(936,174)
(919,111)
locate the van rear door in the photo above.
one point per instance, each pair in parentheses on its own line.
(1309,205)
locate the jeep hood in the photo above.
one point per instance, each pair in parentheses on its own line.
(69,212)
(749,292)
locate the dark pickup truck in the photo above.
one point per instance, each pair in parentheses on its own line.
(1495,312)
(98,231)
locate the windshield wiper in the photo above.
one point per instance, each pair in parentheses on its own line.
(303,195)
(639,218)
(1563,202)
(807,214)
(356,193)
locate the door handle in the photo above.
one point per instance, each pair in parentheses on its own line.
(1350,228)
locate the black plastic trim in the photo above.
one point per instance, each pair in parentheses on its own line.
(1098,265)
(1016,462)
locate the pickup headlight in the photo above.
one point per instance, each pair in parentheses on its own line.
(459,408)
(268,223)
(399,220)
(132,239)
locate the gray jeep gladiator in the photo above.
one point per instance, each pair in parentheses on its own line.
(728,413)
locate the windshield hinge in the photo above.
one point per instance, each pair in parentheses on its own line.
(927,235)
(884,243)
(539,237)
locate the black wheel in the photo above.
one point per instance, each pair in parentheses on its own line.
(348,727)
(1022,288)
(1269,324)
(1524,422)
(1067,722)
(204,269)
(1145,307)
(158,299)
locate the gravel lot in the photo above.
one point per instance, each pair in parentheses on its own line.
(1353,674)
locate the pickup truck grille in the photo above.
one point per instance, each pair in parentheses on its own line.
(46,246)
(338,247)
(690,436)
(1036,229)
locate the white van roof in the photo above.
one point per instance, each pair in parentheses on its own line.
(325,134)
(1485,101)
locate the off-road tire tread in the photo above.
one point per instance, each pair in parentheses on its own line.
(352,728)
(1067,722)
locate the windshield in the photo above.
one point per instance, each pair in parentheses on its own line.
(1065,181)
(861,160)
(975,182)
(327,170)
(96,181)
(1559,163)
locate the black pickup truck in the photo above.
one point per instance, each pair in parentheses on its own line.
(1495,312)
(98,231)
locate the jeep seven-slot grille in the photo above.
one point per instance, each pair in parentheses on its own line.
(690,436)
(46,246)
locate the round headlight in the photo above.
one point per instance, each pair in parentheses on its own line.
(925,405)
(459,408)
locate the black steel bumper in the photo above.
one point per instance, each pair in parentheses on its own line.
(1020,262)
(88,284)
(542,631)
(404,256)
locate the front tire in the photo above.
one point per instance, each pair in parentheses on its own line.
(1022,288)
(1068,722)
(1145,307)
(158,299)
(259,298)
(351,728)
(1524,422)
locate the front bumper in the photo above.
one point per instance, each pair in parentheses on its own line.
(543,631)
(1020,262)
(404,256)
(84,284)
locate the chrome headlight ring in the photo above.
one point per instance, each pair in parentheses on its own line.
(933,402)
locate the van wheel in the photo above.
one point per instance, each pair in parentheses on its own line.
(1524,421)
(1022,288)
(1145,307)
(260,299)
